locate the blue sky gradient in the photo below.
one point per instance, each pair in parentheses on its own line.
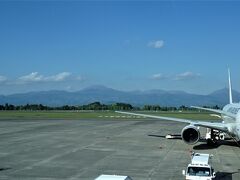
(125,45)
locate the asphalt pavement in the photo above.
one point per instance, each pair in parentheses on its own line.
(84,149)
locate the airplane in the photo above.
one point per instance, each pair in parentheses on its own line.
(230,114)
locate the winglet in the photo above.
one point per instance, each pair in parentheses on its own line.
(230,87)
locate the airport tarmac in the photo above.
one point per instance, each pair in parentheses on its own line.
(84,149)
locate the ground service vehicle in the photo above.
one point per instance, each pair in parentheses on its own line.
(199,168)
(112,177)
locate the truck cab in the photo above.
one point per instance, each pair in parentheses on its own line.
(199,168)
(112,177)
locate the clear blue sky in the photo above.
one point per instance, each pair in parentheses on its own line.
(123,45)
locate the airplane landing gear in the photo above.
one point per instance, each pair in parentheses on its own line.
(213,135)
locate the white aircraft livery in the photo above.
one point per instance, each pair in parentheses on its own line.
(230,115)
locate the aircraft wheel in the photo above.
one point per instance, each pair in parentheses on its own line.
(211,142)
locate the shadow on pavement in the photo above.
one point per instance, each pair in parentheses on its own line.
(4,169)
(219,143)
(225,175)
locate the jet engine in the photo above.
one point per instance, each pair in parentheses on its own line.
(190,134)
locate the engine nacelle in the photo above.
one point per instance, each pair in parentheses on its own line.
(190,134)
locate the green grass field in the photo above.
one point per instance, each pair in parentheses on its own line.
(96,115)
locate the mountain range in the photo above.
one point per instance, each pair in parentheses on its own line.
(108,95)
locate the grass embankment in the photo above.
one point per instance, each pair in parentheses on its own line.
(97,115)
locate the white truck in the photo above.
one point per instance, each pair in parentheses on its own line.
(199,168)
(112,177)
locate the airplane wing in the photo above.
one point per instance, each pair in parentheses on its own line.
(218,126)
(216,111)
(156,117)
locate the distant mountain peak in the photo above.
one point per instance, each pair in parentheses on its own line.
(104,94)
(97,87)
(222,91)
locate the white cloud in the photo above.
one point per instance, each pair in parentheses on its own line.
(186,75)
(156,44)
(33,77)
(3,79)
(58,77)
(177,77)
(69,88)
(80,78)
(36,77)
(158,76)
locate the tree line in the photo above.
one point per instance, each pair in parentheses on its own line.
(91,106)
(98,106)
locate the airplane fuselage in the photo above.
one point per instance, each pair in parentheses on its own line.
(233,123)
